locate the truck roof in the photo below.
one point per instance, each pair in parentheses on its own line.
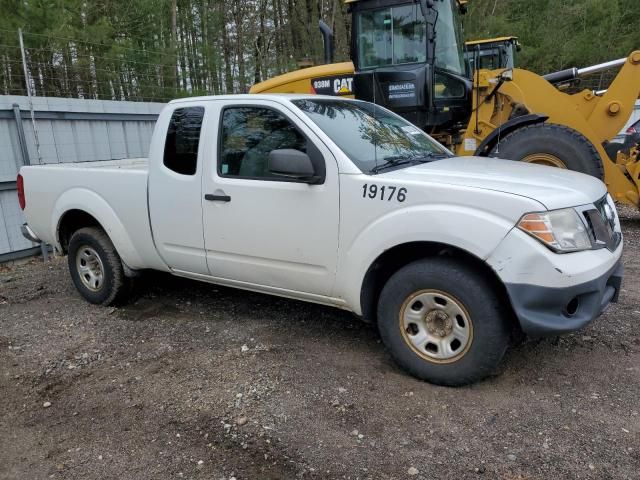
(278,97)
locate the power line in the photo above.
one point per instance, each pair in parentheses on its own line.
(133,80)
(113,71)
(75,40)
(95,57)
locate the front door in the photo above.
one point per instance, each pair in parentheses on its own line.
(261,229)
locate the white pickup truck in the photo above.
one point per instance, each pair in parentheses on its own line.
(342,203)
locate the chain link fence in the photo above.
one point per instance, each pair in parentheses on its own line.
(55,66)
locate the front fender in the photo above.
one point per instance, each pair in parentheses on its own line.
(474,231)
(92,203)
(505,129)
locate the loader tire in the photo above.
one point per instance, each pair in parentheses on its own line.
(552,145)
(96,268)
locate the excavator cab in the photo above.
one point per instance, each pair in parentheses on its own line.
(408,57)
(491,53)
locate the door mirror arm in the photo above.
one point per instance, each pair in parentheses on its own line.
(310,179)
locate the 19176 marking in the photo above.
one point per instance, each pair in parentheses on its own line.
(384,192)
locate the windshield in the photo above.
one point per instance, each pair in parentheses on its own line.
(391,36)
(397,35)
(449,54)
(369,135)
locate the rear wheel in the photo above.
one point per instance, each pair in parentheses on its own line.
(96,268)
(443,322)
(551,145)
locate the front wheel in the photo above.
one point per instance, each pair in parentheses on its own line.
(443,322)
(96,268)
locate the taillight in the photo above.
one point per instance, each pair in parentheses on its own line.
(21,199)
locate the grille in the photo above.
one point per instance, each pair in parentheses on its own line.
(602,223)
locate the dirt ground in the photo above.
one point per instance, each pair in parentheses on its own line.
(203,382)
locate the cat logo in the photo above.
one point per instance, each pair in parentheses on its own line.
(342,86)
(336,85)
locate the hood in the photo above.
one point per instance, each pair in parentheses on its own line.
(553,187)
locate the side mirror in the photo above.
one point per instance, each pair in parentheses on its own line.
(294,164)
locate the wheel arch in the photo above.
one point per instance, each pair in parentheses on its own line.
(506,128)
(80,207)
(71,221)
(393,259)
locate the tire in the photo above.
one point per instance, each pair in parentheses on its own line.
(468,297)
(551,142)
(95,267)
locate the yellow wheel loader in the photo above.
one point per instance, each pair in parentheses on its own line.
(408,57)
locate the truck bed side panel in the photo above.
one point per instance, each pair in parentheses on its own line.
(113,192)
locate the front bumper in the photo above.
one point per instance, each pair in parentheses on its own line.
(545,311)
(555,293)
(29,234)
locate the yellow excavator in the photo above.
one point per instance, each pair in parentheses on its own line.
(407,55)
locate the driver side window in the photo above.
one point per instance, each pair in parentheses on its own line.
(249,135)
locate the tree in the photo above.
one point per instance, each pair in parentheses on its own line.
(159,49)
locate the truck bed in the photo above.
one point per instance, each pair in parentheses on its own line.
(140,163)
(118,188)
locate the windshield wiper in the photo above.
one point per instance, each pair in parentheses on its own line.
(395,161)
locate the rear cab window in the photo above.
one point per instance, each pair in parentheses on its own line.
(183,138)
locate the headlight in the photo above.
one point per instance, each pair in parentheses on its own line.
(560,230)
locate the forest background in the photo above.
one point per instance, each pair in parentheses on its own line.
(155,50)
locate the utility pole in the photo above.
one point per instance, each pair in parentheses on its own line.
(27,82)
(174,41)
(44,248)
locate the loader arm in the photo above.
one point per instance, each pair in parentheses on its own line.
(597,118)
(609,112)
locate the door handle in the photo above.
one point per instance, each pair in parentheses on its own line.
(217,198)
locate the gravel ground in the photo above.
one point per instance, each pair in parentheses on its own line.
(196,381)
